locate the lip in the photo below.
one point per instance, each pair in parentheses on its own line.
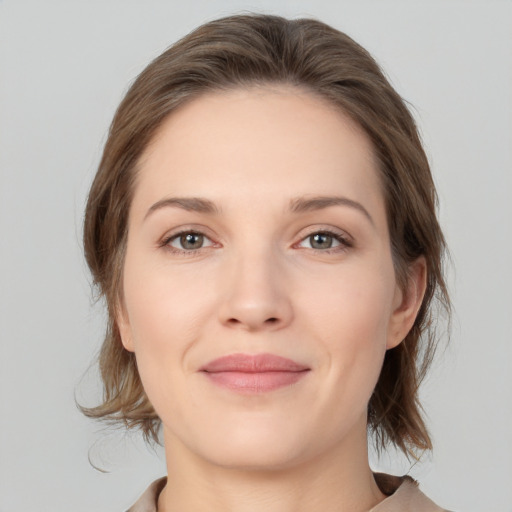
(260,373)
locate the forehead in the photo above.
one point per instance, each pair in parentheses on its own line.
(263,144)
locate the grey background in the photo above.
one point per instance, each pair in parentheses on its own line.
(64,66)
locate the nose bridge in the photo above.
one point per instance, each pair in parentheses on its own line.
(256,294)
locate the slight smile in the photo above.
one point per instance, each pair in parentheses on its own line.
(260,373)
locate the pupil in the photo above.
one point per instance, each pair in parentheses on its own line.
(191,241)
(321,241)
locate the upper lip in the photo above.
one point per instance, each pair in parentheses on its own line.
(258,363)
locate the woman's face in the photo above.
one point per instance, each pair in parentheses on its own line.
(259,289)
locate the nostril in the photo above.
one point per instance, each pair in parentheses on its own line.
(235,321)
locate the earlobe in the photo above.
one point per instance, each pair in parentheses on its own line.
(407,303)
(123,325)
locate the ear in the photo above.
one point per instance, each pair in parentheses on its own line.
(406,303)
(125,331)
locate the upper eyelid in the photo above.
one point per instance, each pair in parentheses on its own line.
(176,232)
(306,232)
(336,232)
(343,242)
(165,243)
(309,230)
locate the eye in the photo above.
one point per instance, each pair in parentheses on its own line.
(324,241)
(187,241)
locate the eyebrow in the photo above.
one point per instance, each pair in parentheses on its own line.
(192,204)
(302,204)
(297,205)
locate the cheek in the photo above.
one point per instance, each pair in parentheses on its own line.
(349,315)
(353,306)
(165,308)
(166,317)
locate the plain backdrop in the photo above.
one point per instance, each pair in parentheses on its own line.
(64,66)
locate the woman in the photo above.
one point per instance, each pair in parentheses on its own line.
(263,228)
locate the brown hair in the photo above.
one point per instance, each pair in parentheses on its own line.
(241,51)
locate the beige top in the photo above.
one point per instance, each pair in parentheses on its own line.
(403,496)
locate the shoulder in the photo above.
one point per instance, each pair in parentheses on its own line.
(149,499)
(404,495)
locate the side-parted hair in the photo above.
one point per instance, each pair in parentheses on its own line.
(245,51)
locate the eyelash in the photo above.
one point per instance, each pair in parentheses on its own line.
(344,242)
(165,243)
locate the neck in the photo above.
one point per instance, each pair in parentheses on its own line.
(340,480)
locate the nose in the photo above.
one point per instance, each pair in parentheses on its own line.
(255,295)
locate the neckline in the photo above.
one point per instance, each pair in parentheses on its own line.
(388,485)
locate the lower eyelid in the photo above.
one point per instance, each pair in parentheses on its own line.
(342,240)
(208,242)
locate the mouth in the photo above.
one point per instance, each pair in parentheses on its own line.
(253,374)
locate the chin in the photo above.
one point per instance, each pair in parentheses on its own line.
(256,456)
(257,447)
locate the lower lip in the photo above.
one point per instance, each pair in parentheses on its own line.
(260,382)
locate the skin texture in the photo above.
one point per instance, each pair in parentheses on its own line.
(259,284)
